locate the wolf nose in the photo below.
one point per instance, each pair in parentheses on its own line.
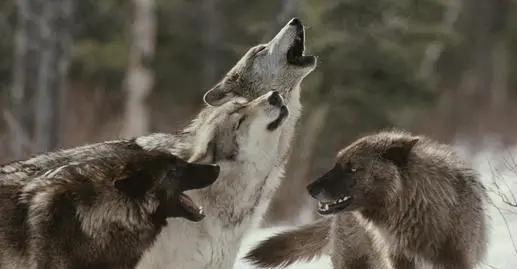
(295,22)
(274,99)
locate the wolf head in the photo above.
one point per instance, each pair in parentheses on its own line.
(366,175)
(236,125)
(130,187)
(164,177)
(280,64)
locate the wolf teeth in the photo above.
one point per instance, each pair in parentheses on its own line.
(200,210)
(323,206)
(344,199)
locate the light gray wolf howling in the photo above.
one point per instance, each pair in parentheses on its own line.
(240,205)
(242,138)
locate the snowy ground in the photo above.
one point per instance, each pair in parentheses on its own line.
(493,159)
(502,163)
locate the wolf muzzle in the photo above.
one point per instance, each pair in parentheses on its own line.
(197,176)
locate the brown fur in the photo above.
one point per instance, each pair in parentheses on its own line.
(354,245)
(416,201)
(304,243)
(97,213)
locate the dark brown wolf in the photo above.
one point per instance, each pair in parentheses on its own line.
(99,213)
(398,201)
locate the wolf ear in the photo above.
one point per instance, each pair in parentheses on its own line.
(398,151)
(219,94)
(203,146)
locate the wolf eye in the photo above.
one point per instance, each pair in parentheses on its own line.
(353,169)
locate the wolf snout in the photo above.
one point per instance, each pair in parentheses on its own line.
(275,99)
(198,176)
(329,186)
(320,192)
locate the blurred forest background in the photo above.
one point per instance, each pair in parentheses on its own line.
(81,71)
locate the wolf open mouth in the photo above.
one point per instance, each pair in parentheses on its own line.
(196,176)
(295,54)
(191,211)
(278,121)
(326,208)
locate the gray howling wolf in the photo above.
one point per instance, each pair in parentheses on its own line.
(241,201)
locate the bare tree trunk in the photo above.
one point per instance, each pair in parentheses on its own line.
(213,39)
(140,76)
(501,75)
(434,49)
(500,55)
(489,20)
(484,83)
(287,10)
(26,58)
(56,42)
(42,54)
(282,208)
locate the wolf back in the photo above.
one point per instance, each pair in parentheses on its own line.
(103,212)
